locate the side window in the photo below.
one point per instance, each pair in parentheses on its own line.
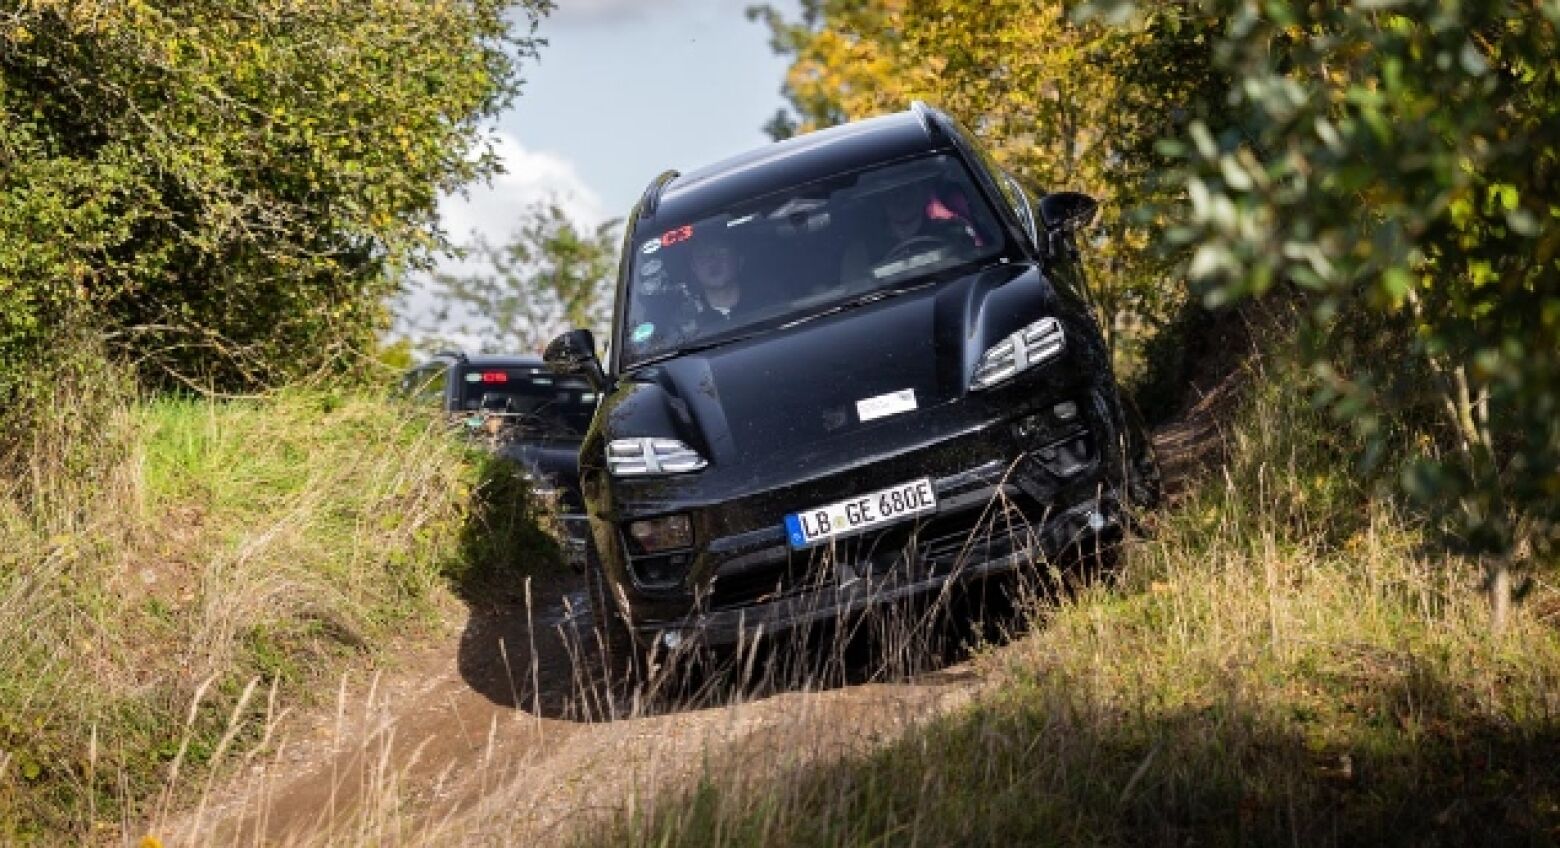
(1019,199)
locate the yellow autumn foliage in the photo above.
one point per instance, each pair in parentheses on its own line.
(1054,99)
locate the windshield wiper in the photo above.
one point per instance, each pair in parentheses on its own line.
(870,297)
(698,347)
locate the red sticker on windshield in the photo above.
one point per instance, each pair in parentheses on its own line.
(672,237)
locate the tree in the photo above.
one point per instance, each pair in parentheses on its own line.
(1397,162)
(221,190)
(1401,165)
(1051,96)
(549,277)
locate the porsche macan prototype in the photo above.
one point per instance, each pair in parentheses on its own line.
(845,369)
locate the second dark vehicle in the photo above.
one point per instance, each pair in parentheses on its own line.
(845,369)
(527,414)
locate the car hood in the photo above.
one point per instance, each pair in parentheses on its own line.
(827,385)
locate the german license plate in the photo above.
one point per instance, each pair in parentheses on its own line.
(854,515)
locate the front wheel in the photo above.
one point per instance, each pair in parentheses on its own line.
(621,658)
(1145,485)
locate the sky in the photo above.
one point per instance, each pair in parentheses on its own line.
(623,90)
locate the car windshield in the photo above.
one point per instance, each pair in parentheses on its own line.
(538,402)
(801,252)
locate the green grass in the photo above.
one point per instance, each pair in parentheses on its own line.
(208,544)
(1287,661)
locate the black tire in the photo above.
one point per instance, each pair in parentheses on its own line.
(632,683)
(621,658)
(1145,485)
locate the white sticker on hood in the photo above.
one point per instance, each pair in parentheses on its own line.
(882,406)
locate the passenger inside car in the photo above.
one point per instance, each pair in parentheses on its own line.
(694,288)
(914,220)
(754,266)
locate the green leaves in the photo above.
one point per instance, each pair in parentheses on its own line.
(1404,169)
(550,276)
(1061,99)
(1345,150)
(225,189)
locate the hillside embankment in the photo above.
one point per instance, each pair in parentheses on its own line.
(181,568)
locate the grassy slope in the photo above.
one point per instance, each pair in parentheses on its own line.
(1285,662)
(202,546)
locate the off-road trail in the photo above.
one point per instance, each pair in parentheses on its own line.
(498,730)
(494,741)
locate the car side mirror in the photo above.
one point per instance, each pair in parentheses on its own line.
(574,352)
(1068,211)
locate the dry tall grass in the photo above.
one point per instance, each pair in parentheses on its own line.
(1286,660)
(172,552)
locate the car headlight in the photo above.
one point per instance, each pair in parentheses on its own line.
(633,457)
(1035,344)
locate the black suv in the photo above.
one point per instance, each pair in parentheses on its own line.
(530,415)
(845,369)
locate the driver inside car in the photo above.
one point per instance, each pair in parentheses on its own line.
(699,292)
(915,225)
(716,266)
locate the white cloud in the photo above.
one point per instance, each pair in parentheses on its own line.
(495,211)
(585,11)
(529,176)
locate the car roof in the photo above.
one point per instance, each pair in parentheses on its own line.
(486,360)
(793,162)
(502,360)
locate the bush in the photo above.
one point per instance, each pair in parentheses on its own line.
(221,190)
(1402,166)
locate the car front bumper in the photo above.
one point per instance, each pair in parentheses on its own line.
(1008,494)
(844,587)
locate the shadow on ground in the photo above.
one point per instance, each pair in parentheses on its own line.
(547,657)
(531,642)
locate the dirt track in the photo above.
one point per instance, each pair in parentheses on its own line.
(483,742)
(501,731)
